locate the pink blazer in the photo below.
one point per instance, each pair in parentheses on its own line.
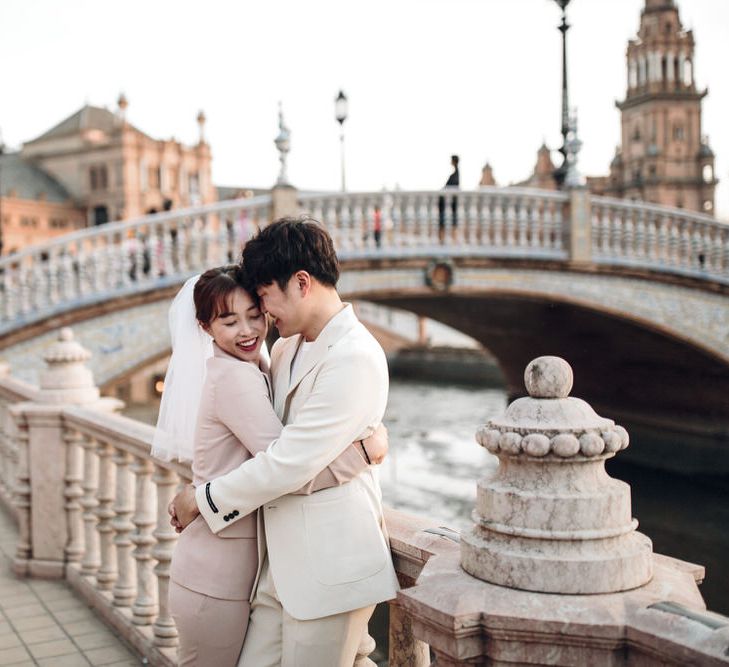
(236,421)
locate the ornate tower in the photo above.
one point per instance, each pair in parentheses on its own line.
(664,157)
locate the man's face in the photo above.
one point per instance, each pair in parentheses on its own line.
(284,306)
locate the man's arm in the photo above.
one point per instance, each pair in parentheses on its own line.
(348,397)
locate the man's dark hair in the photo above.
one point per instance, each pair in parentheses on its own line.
(289,245)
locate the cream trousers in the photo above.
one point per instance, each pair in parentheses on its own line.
(276,639)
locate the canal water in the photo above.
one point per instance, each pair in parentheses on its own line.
(434,463)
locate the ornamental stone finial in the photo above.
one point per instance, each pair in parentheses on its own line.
(549,518)
(66,378)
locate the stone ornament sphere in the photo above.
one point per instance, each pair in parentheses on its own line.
(548,377)
(565,445)
(591,444)
(489,438)
(510,443)
(536,444)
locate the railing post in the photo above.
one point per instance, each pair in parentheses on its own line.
(404,649)
(53,461)
(284,201)
(580,226)
(145,605)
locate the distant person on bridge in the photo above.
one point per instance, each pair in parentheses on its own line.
(217,424)
(453,183)
(325,562)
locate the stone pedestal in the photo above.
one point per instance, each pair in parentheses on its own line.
(65,381)
(550,527)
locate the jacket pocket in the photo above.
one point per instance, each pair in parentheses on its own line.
(343,539)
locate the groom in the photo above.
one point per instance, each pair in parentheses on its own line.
(324,562)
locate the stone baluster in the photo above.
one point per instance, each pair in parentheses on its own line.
(640,234)
(404,650)
(53,292)
(662,251)
(25,291)
(698,251)
(317,209)
(396,217)
(498,222)
(22,494)
(472,227)
(10,292)
(89,502)
(724,237)
(144,608)
(181,242)
(333,224)
(628,237)
(431,202)
(360,231)
(140,249)
(125,260)
(510,222)
(124,588)
(674,243)
(162,248)
(345,223)
(651,238)
(407,221)
(422,221)
(460,221)
(107,572)
(684,245)
(66,278)
(73,493)
(224,252)
(485,231)
(522,223)
(165,632)
(534,223)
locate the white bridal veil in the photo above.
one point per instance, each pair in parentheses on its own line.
(191,348)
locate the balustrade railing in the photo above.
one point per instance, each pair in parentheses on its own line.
(659,238)
(120,542)
(490,221)
(122,257)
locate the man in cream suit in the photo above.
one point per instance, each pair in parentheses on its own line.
(325,561)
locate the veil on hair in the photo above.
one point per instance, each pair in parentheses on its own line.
(191,348)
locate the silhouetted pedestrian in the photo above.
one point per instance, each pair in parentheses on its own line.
(452,183)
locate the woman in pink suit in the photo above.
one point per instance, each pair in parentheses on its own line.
(212,576)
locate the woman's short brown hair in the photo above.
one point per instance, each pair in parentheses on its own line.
(213,289)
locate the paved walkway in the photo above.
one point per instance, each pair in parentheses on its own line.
(44,623)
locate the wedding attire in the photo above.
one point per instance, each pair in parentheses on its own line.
(325,554)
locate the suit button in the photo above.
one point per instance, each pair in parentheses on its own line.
(236,512)
(226,517)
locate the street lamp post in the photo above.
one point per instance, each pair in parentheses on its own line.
(561,171)
(341,106)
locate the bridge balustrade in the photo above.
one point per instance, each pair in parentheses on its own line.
(659,238)
(91,507)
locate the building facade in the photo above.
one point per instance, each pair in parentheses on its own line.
(94,167)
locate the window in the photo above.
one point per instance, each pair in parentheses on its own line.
(98,177)
(708,173)
(27,221)
(678,133)
(636,133)
(58,223)
(154,177)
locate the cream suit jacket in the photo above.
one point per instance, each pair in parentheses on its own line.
(236,421)
(328,552)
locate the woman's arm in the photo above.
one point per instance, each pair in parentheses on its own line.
(242,404)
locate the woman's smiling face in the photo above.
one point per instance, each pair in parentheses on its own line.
(241,328)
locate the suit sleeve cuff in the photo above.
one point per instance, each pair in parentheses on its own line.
(208,509)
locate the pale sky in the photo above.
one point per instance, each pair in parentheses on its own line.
(425,78)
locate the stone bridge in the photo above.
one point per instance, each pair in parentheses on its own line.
(633,295)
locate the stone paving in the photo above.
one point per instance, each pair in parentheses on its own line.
(44,623)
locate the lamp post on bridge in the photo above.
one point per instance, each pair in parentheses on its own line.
(341,107)
(561,171)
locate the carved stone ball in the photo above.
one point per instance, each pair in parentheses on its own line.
(489,438)
(548,377)
(591,444)
(536,444)
(565,445)
(510,443)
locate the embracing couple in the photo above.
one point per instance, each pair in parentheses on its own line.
(283,542)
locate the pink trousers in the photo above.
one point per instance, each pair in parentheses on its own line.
(211,630)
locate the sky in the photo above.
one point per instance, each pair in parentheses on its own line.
(424,78)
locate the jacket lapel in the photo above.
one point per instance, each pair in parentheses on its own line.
(281,371)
